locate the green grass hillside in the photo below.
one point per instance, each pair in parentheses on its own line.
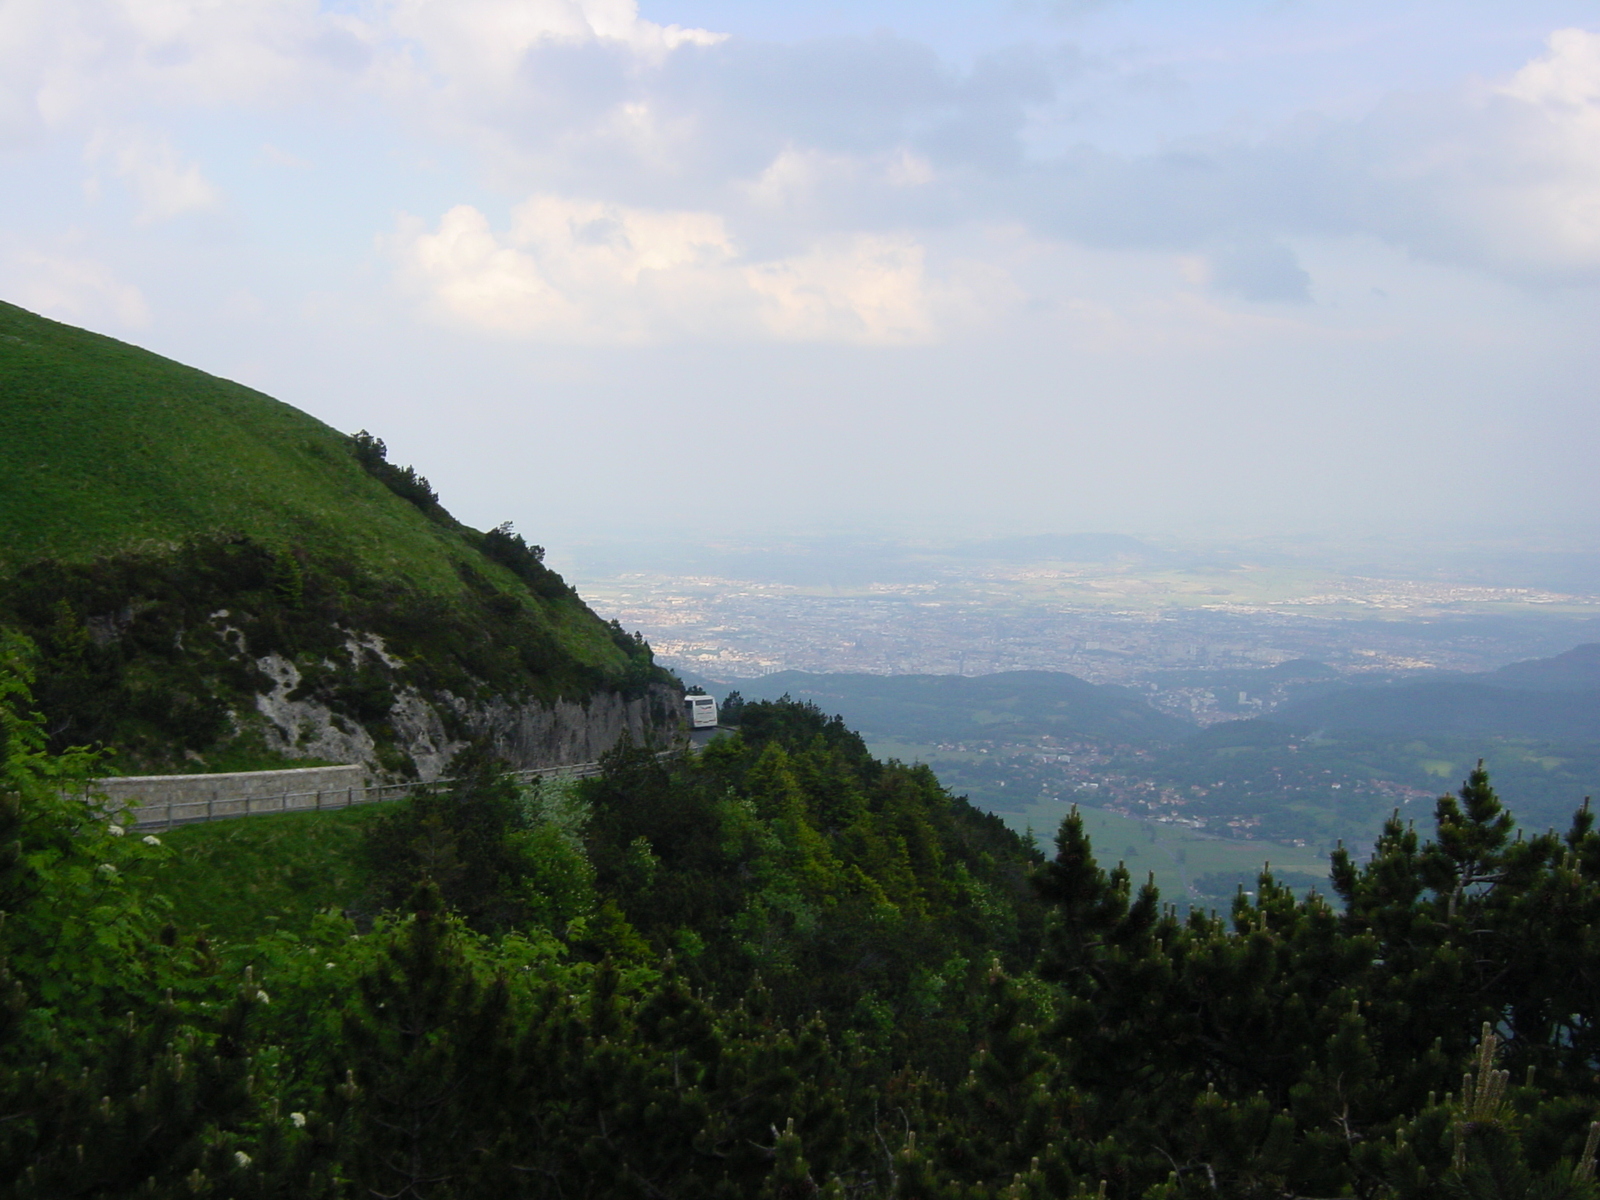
(105,447)
(162,530)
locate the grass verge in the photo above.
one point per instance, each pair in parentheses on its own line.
(240,879)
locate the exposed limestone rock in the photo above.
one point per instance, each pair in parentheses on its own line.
(305,728)
(536,735)
(421,733)
(356,643)
(527,735)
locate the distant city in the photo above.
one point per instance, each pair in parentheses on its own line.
(1204,637)
(1197,641)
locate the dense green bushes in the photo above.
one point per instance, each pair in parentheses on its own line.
(781,968)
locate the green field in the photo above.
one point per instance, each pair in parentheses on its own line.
(1186,863)
(1179,856)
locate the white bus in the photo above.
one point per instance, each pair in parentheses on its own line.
(701,712)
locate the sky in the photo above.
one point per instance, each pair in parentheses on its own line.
(709,267)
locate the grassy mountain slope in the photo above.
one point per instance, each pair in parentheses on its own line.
(163,531)
(108,448)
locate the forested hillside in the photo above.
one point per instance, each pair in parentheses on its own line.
(782,969)
(1550,699)
(953,708)
(218,581)
(1323,767)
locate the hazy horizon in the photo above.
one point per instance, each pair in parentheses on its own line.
(1305,274)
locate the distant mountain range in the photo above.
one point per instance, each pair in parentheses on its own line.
(1375,747)
(953,708)
(1551,699)
(1578,670)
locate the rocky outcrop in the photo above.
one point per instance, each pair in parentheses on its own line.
(305,728)
(534,735)
(416,735)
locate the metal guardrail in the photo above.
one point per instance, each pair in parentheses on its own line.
(192,812)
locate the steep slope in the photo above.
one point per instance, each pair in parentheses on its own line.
(217,579)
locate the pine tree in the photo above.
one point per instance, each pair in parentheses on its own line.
(431,1067)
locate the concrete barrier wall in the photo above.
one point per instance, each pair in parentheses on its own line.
(162,801)
(164,789)
(170,799)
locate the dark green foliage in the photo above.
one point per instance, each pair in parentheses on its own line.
(850,887)
(526,562)
(1278,1051)
(404,482)
(641,670)
(466,840)
(109,1085)
(468,1080)
(150,654)
(779,968)
(162,1104)
(427,1044)
(796,723)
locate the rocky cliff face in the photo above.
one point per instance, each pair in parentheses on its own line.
(420,732)
(217,655)
(536,735)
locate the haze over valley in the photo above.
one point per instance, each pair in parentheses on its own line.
(1358,664)
(1108,608)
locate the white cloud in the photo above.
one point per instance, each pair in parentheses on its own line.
(67,62)
(1546,197)
(164,185)
(481,45)
(807,181)
(579,270)
(1504,180)
(1568,76)
(606,273)
(838,161)
(73,287)
(88,61)
(871,290)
